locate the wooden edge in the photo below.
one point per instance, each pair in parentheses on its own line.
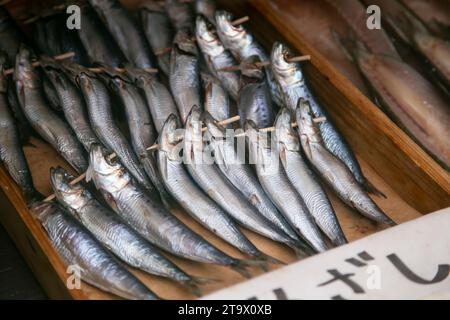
(412,155)
(32,242)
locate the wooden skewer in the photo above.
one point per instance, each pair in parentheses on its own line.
(236,22)
(35,64)
(121,70)
(156,146)
(265,63)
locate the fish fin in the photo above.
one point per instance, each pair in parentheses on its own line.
(240,266)
(193,284)
(89,173)
(370,188)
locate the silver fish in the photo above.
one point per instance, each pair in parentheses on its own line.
(332,169)
(217,101)
(293,85)
(254,101)
(242,45)
(11,153)
(50,127)
(11,37)
(184,74)
(158,97)
(77,246)
(192,198)
(113,232)
(72,103)
(128,34)
(216,185)
(148,217)
(181,14)
(141,130)
(217,57)
(304,180)
(100,46)
(50,94)
(158,31)
(273,179)
(206,8)
(239,173)
(98,102)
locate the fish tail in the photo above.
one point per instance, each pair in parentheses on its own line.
(370,188)
(193,284)
(32,196)
(240,266)
(270,259)
(259,261)
(302,250)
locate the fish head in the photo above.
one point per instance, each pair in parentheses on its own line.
(286,73)
(232,36)
(208,41)
(24,72)
(285,134)
(170,138)
(74,197)
(183,41)
(308,130)
(193,137)
(108,174)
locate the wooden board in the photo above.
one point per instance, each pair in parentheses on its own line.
(49,269)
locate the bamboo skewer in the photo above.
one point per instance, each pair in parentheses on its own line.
(35,64)
(155,146)
(236,22)
(264,64)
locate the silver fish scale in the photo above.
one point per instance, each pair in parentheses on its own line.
(158,31)
(211,180)
(200,207)
(217,57)
(335,173)
(285,197)
(53,129)
(244,47)
(11,153)
(255,104)
(100,114)
(98,267)
(344,184)
(74,110)
(127,33)
(316,200)
(295,88)
(110,230)
(242,177)
(184,82)
(162,228)
(159,100)
(217,101)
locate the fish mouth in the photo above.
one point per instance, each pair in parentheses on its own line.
(224,19)
(60,180)
(280,54)
(203,31)
(215,130)
(101,162)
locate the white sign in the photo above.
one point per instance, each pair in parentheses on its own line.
(409,261)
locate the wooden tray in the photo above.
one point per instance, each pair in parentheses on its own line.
(412,182)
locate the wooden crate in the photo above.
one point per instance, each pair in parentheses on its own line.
(413,183)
